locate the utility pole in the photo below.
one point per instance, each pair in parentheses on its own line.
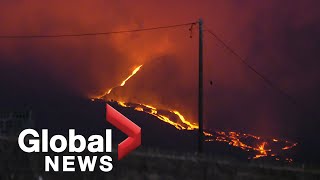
(200,96)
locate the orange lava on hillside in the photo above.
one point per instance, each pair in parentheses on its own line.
(258,146)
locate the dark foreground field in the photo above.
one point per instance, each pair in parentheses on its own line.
(151,164)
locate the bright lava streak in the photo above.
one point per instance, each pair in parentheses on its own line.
(132,74)
(122,83)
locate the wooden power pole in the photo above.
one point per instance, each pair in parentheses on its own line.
(200,97)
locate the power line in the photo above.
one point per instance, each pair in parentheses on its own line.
(265,79)
(93,34)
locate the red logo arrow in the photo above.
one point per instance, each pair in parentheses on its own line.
(127,127)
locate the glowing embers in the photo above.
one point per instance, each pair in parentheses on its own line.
(262,150)
(257,147)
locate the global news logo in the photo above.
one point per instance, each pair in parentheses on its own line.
(30,141)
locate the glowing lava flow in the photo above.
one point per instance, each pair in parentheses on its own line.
(132,74)
(181,123)
(122,83)
(257,146)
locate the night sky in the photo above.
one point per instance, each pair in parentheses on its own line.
(280,39)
